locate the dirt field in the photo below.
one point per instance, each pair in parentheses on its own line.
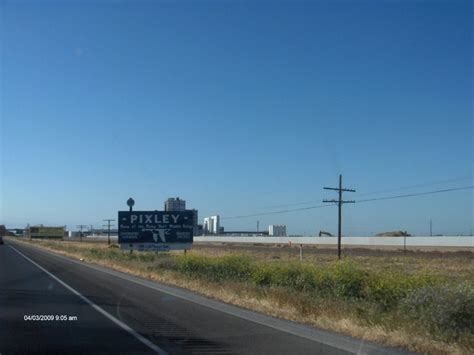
(444,252)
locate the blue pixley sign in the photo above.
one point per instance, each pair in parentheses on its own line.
(155,230)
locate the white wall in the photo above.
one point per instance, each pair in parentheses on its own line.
(446,241)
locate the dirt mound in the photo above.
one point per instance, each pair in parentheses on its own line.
(394,234)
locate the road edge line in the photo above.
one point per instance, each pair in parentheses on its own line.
(99,309)
(336,340)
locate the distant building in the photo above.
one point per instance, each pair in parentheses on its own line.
(199,229)
(195,223)
(4,231)
(211,225)
(17,231)
(41,231)
(277,230)
(105,231)
(175,204)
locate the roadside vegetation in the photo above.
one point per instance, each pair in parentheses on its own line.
(424,308)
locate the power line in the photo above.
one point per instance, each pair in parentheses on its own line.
(277,212)
(290,204)
(415,194)
(357,201)
(437,182)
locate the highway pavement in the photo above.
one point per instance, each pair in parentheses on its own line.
(53,304)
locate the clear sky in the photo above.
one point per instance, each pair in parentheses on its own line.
(237,107)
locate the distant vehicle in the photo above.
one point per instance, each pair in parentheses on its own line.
(1,239)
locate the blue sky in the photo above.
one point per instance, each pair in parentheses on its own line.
(237,106)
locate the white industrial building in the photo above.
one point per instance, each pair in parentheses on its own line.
(277,230)
(211,225)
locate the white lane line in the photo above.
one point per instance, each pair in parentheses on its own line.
(122,325)
(337,341)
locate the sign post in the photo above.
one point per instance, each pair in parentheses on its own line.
(130,203)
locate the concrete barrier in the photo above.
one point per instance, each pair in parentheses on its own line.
(415,241)
(444,241)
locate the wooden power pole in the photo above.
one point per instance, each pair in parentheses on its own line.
(339,202)
(108,228)
(81,227)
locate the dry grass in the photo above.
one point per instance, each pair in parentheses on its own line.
(278,302)
(457,265)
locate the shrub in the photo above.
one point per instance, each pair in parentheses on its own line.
(299,277)
(235,268)
(388,289)
(347,281)
(445,310)
(262,275)
(192,265)
(295,276)
(164,264)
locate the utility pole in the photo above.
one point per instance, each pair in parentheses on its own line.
(108,228)
(258,225)
(431,227)
(339,204)
(81,227)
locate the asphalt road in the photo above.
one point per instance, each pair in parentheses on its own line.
(104,311)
